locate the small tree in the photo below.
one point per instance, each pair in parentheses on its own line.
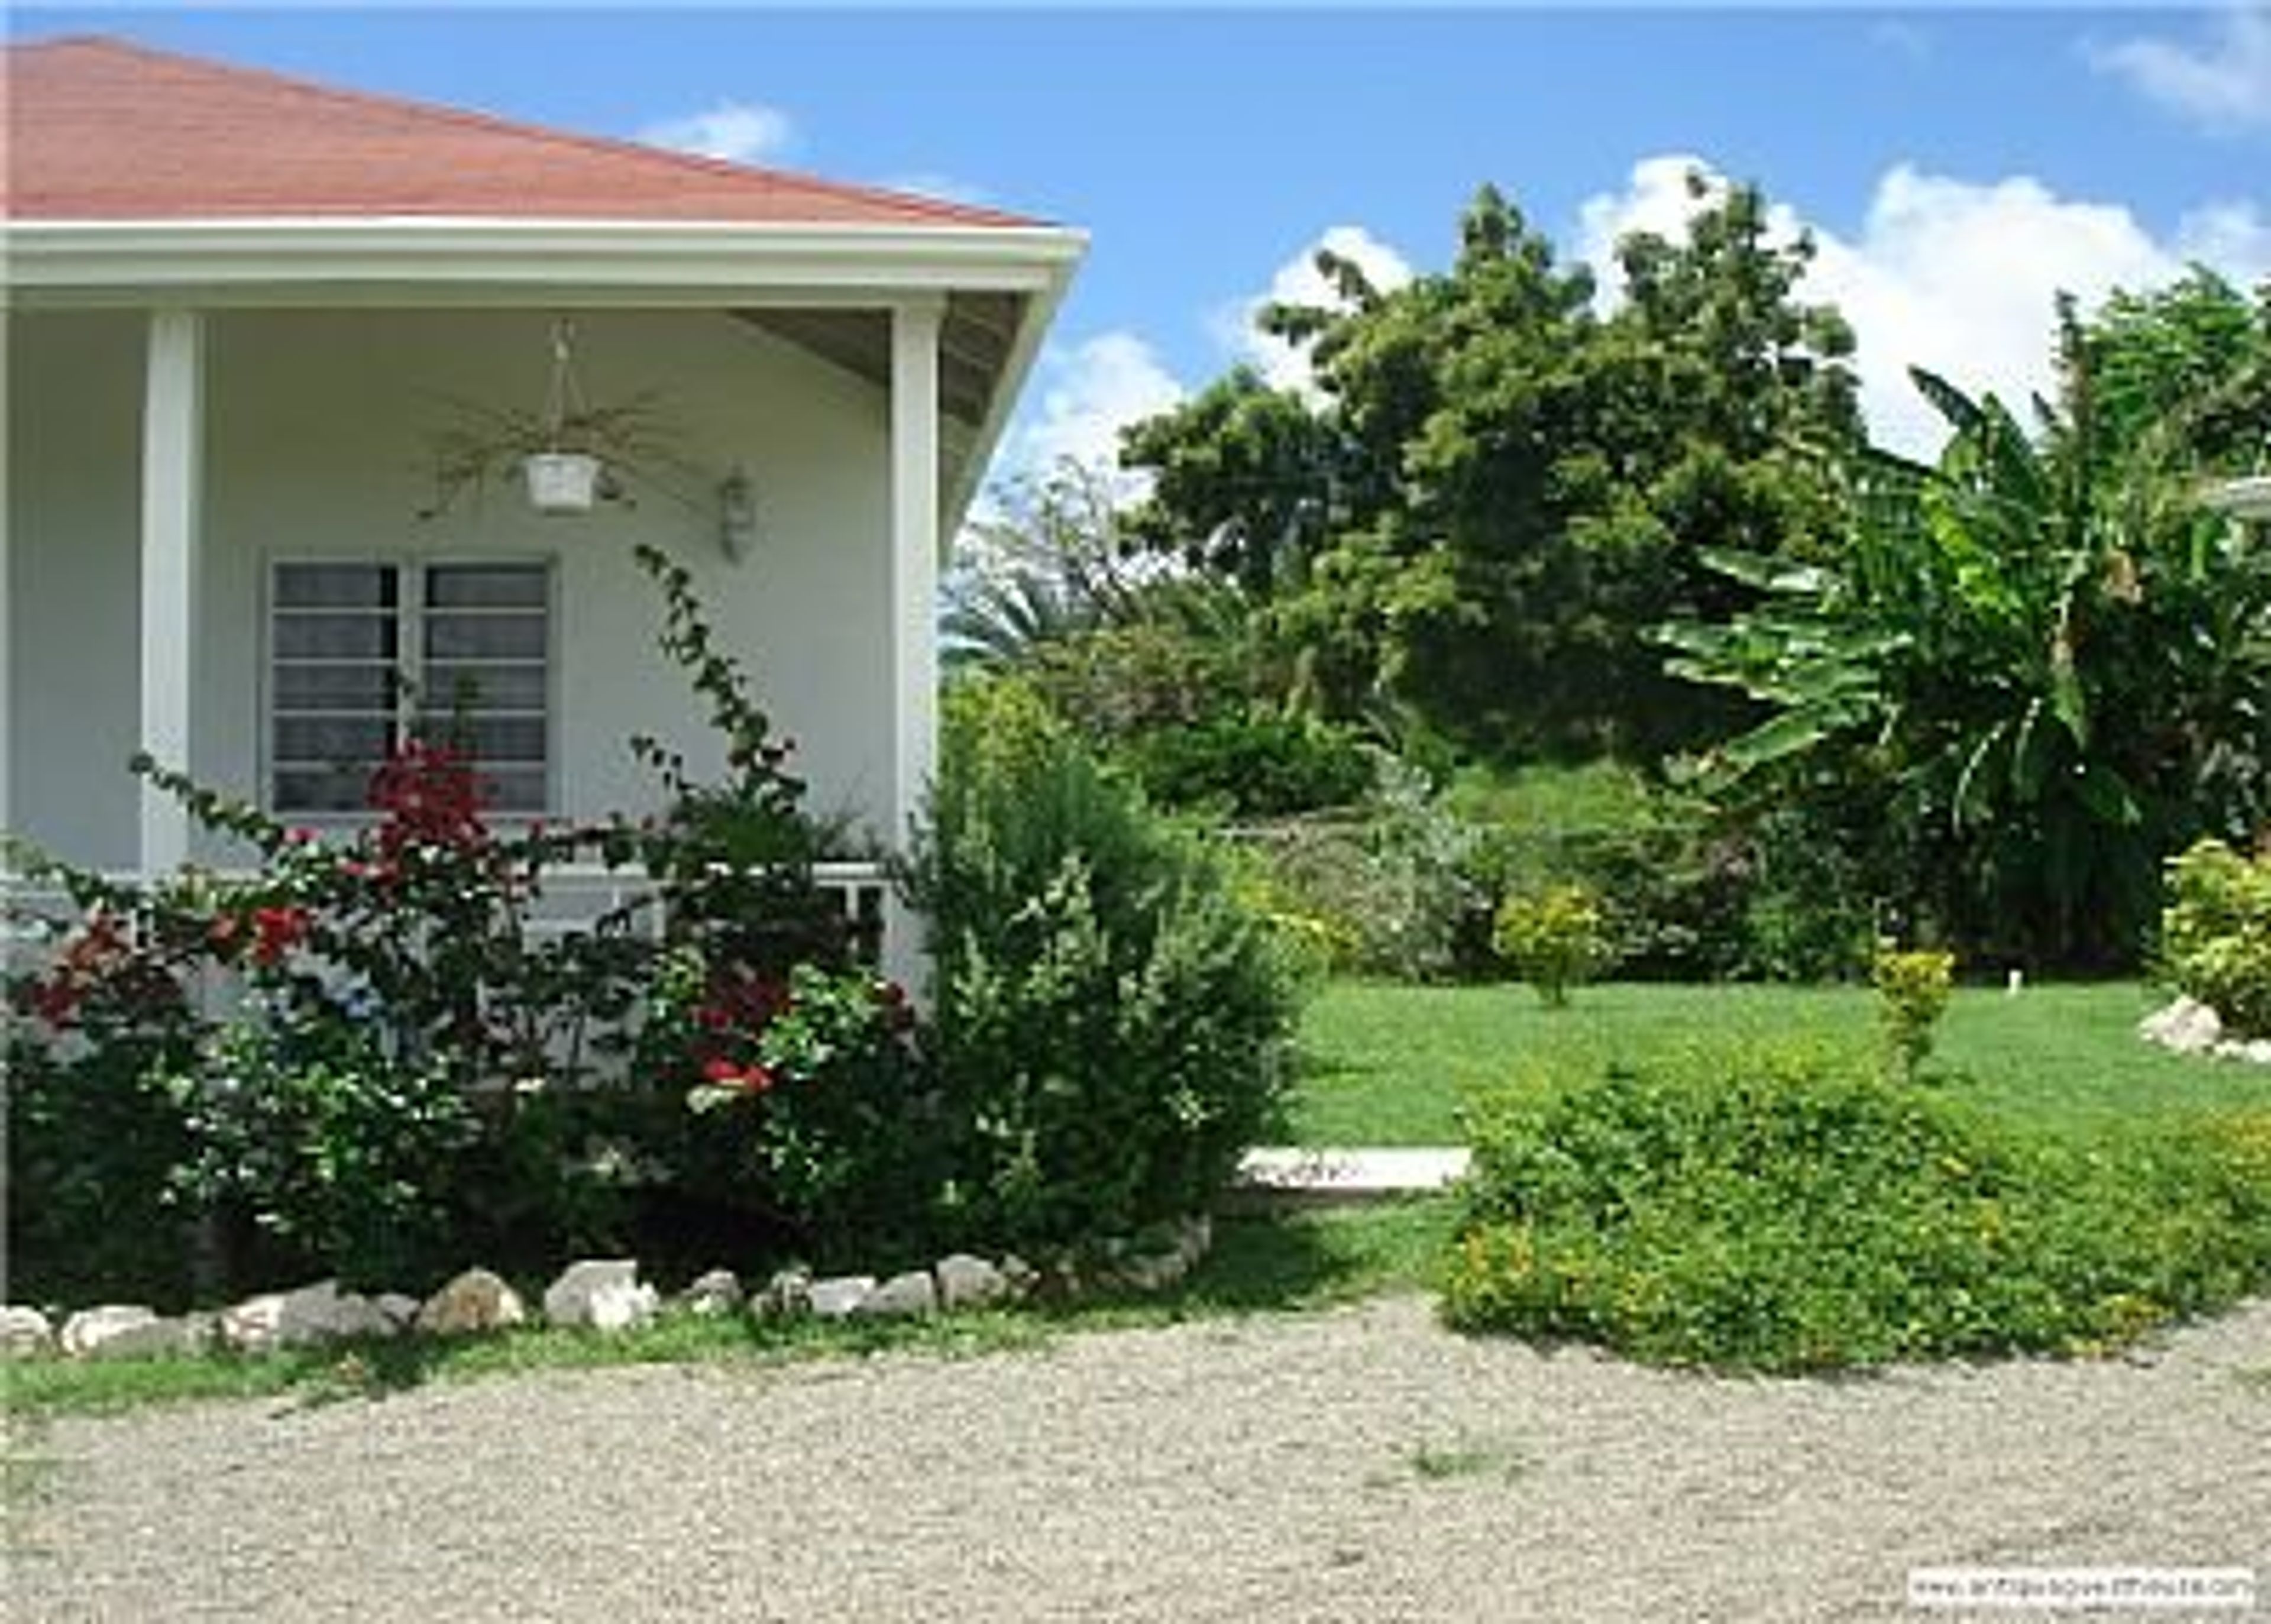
(1556,939)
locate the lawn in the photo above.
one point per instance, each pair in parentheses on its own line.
(1389,1065)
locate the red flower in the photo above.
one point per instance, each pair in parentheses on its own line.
(55,999)
(753,1079)
(276,931)
(431,796)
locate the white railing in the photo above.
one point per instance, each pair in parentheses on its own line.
(572,897)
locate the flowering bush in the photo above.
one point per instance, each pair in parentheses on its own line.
(361,1053)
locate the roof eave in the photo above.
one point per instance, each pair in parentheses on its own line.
(417,259)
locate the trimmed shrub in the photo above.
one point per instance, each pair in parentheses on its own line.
(1108,1021)
(2215,934)
(1556,940)
(1784,1210)
(1912,992)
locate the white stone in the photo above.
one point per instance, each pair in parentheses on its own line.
(786,1295)
(25,1332)
(904,1296)
(1194,1240)
(1157,1273)
(126,1331)
(322,1313)
(2255,1051)
(2186,1025)
(476,1300)
(91,1327)
(400,1308)
(838,1297)
(715,1293)
(967,1282)
(1020,1276)
(251,1326)
(600,1293)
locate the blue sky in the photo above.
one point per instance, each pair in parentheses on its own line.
(1957,165)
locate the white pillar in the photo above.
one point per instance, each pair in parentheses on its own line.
(7,626)
(914,594)
(173,456)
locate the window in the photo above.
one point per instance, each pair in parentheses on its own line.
(363,655)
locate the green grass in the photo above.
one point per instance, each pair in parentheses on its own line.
(1392,1065)
(1258,1264)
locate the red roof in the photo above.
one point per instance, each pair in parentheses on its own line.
(100,130)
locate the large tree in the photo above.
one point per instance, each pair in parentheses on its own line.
(1499,490)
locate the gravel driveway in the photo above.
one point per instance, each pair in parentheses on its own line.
(1356,1464)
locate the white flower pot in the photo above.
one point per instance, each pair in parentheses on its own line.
(561,481)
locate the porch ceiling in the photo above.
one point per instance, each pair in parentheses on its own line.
(975,341)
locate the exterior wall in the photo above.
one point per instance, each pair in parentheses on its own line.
(73,642)
(316,426)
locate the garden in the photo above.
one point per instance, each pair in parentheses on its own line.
(1561,734)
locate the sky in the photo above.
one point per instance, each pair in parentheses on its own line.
(1955,166)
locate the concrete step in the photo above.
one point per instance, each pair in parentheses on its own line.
(1295,1174)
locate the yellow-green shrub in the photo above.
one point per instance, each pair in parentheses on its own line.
(1556,939)
(2215,934)
(1913,989)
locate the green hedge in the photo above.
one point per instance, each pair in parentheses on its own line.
(1784,1210)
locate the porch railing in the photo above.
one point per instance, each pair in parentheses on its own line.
(574,896)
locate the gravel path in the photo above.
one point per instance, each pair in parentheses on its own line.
(1356,1464)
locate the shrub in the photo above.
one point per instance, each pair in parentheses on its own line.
(1387,894)
(1108,1020)
(325,1142)
(2215,934)
(1665,875)
(1251,766)
(1556,940)
(1783,1210)
(94,1138)
(1807,908)
(1912,992)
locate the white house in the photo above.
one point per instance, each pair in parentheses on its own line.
(241,310)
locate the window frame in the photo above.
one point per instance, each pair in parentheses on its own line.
(412,612)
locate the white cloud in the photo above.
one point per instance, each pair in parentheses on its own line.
(1298,282)
(1955,276)
(2233,237)
(2224,82)
(1088,392)
(737,132)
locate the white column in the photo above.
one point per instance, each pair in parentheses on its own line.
(172,455)
(7,626)
(914,593)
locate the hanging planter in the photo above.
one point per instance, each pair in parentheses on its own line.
(568,458)
(561,481)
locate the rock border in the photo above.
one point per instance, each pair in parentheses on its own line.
(2188,1026)
(603,1296)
